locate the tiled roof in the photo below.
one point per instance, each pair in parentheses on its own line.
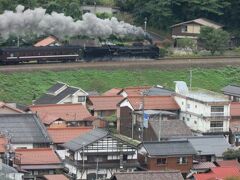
(148,175)
(233,90)
(171,128)
(153,102)
(4,105)
(56,87)
(88,138)
(203,165)
(68,112)
(105,102)
(55,177)
(169,148)
(63,135)
(216,145)
(37,156)
(201,21)
(112,92)
(228,163)
(46,42)
(235,109)
(219,173)
(24,128)
(3,142)
(136,91)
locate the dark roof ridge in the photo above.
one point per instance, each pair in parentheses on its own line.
(162,142)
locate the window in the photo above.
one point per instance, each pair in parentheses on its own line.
(195,122)
(81,98)
(195,106)
(184,28)
(125,157)
(183,118)
(217,110)
(188,106)
(216,124)
(182,160)
(161,161)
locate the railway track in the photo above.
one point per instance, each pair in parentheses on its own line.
(162,64)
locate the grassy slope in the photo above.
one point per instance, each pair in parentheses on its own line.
(22,87)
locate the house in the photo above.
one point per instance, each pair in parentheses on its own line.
(148,175)
(209,148)
(103,106)
(60,136)
(48,41)
(233,92)
(37,161)
(99,154)
(191,29)
(6,108)
(63,115)
(54,177)
(130,107)
(203,111)
(61,93)
(219,173)
(97,9)
(235,123)
(164,155)
(24,130)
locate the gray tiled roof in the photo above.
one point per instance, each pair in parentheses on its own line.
(171,128)
(157,91)
(86,139)
(166,148)
(55,87)
(231,90)
(209,145)
(148,175)
(51,99)
(23,128)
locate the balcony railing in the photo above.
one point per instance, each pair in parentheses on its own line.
(218,114)
(105,164)
(216,129)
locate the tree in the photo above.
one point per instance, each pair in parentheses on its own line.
(214,39)
(231,154)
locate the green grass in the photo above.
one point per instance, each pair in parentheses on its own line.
(22,87)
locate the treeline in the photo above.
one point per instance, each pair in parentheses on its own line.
(164,13)
(68,7)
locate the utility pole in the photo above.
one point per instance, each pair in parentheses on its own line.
(190,75)
(18,41)
(97,170)
(160,127)
(142,133)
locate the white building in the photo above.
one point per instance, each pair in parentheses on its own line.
(202,110)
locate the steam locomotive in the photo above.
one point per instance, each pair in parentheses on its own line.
(75,53)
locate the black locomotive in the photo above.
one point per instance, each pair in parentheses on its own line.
(74,53)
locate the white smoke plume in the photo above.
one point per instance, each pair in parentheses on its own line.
(36,21)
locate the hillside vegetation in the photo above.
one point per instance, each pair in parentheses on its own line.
(23,87)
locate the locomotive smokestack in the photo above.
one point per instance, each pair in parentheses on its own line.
(22,22)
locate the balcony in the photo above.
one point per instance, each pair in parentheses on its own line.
(217,114)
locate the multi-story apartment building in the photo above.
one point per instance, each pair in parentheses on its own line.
(203,111)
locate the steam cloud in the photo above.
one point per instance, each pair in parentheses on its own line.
(23,22)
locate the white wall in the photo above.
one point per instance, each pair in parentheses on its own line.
(194,113)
